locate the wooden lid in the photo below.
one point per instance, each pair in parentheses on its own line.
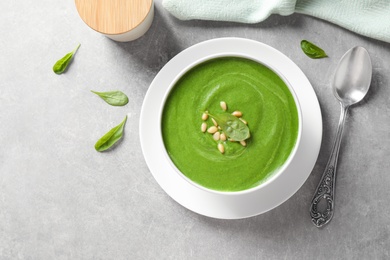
(113,16)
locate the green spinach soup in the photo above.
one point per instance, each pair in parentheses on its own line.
(224,98)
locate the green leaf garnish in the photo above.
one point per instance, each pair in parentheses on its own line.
(61,65)
(111,137)
(232,126)
(312,50)
(114,98)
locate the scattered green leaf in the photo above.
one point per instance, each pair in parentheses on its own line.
(312,50)
(61,65)
(114,98)
(111,137)
(232,126)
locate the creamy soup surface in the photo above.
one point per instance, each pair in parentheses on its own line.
(266,104)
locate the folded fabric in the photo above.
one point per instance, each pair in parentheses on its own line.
(366,17)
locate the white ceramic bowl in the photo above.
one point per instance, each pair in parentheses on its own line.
(276,174)
(241,204)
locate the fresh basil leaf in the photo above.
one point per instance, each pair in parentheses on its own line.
(232,126)
(111,137)
(312,50)
(114,98)
(61,65)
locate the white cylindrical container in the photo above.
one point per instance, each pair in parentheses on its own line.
(120,20)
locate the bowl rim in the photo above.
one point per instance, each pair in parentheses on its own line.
(278,172)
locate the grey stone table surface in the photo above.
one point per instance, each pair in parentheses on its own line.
(60,199)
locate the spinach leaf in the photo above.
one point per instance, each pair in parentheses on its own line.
(114,98)
(61,65)
(232,126)
(111,137)
(312,50)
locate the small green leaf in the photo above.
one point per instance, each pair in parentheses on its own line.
(61,65)
(114,98)
(312,50)
(111,137)
(232,126)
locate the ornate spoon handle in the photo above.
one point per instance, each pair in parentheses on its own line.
(325,189)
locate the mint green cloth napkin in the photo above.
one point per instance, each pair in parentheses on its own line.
(366,17)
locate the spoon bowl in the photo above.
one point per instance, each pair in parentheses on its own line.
(353,76)
(350,85)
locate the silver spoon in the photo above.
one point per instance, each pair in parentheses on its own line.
(350,84)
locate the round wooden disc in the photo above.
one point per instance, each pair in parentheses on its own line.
(113,16)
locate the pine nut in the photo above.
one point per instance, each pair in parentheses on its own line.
(214,122)
(216,136)
(205,116)
(223,105)
(203,127)
(212,129)
(222,137)
(237,113)
(244,121)
(221,148)
(243,143)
